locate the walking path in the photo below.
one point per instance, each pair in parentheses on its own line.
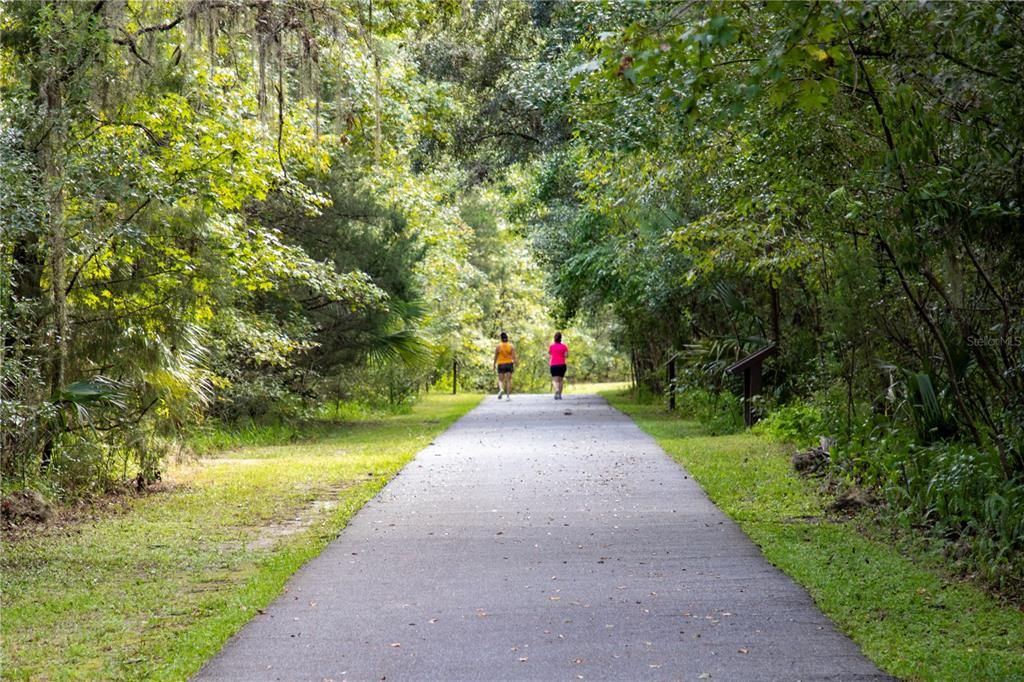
(541,540)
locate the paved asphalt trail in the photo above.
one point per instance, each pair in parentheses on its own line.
(541,540)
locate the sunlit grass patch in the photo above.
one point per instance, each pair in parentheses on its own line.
(154,591)
(586,387)
(910,620)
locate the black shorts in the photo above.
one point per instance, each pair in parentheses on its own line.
(505,368)
(558,370)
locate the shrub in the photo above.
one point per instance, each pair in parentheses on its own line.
(958,493)
(950,492)
(798,423)
(720,411)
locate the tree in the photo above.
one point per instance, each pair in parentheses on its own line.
(816,132)
(145,237)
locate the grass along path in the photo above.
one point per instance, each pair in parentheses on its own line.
(152,592)
(907,619)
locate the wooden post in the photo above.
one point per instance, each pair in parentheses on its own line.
(751,377)
(455,376)
(634,373)
(672,383)
(750,366)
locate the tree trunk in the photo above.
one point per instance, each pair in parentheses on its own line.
(776,314)
(56,334)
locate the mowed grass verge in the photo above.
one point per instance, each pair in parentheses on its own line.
(155,590)
(908,619)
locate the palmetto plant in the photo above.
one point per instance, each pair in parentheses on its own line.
(75,406)
(401,339)
(931,420)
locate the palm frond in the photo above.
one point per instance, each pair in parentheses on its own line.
(405,345)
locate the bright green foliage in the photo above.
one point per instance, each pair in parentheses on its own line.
(153,149)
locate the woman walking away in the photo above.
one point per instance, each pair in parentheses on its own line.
(558,352)
(504,361)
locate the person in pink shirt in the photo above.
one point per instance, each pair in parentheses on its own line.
(558,352)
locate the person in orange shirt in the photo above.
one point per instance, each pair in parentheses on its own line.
(504,362)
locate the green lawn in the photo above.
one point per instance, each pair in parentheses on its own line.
(908,619)
(155,590)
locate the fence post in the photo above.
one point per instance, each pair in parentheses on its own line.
(455,375)
(672,384)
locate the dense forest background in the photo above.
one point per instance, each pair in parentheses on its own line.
(246,210)
(241,209)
